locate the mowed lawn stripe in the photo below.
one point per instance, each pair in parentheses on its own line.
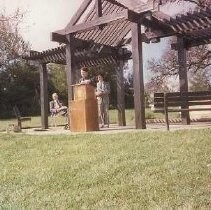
(144,170)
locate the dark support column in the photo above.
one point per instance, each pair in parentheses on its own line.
(69,70)
(99,10)
(98,5)
(69,67)
(44,95)
(121,94)
(183,77)
(138,78)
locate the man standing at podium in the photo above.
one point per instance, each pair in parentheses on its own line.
(85,80)
(84,110)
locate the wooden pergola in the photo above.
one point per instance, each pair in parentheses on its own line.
(100,31)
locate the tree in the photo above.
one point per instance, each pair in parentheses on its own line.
(57,81)
(200,81)
(12,44)
(165,70)
(19,82)
(19,86)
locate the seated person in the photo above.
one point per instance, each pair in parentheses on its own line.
(102,93)
(56,106)
(85,79)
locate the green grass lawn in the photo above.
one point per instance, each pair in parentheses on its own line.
(35,122)
(130,118)
(140,170)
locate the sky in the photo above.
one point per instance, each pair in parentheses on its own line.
(42,17)
(46,16)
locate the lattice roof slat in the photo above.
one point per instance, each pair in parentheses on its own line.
(99,35)
(190,17)
(123,32)
(200,23)
(110,38)
(87,34)
(96,33)
(58,55)
(194,16)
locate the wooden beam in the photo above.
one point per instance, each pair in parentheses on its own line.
(138,77)
(99,38)
(58,36)
(203,33)
(93,33)
(44,95)
(206,12)
(183,77)
(121,94)
(98,7)
(197,42)
(124,15)
(196,38)
(156,25)
(79,13)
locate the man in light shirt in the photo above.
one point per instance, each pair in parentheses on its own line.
(56,107)
(102,93)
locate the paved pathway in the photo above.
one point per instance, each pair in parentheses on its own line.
(117,129)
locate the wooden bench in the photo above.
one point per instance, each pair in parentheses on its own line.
(19,118)
(178,102)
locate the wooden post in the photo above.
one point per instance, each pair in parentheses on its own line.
(69,71)
(138,78)
(69,66)
(98,5)
(120,94)
(166,110)
(44,95)
(183,77)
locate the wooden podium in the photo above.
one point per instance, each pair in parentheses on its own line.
(83,109)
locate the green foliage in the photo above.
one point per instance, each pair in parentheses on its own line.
(134,170)
(18,81)
(57,81)
(19,86)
